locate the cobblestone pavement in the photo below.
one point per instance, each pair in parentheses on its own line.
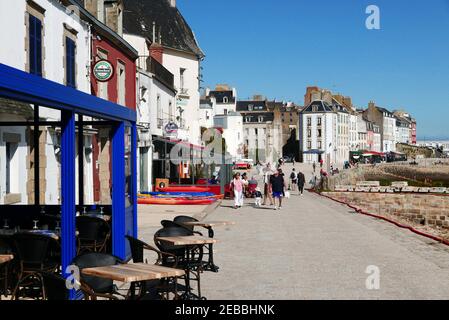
(315,248)
(318,249)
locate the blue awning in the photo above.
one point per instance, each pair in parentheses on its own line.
(313,151)
(18,85)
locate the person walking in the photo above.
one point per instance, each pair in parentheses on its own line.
(293,179)
(245,185)
(266,182)
(314,166)
(277,185)
(238,191)
(301,181)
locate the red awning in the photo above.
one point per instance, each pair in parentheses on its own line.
(373,153)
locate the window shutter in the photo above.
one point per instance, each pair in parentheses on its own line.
(70,62)
(35,39)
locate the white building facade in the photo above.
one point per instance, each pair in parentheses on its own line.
(231,126)
(389,132)
(161,22)
(318,133)
(46,37)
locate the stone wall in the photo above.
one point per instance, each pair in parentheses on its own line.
(429,210)
(346,178)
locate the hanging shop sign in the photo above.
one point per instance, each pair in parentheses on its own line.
(171,130)
(103,70)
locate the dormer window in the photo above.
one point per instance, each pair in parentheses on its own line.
(225,100)
(314,108)
(260,118)
(250,107)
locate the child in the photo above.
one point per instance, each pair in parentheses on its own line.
(258,195)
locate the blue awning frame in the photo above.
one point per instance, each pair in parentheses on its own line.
(18,85)
(313,151)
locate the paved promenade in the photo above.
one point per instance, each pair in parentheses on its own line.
(317,249)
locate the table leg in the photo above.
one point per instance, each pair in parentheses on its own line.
(210,266)
(188,295)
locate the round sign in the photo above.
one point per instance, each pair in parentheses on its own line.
(103,70)
(171,128)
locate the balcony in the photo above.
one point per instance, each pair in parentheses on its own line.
(161,73)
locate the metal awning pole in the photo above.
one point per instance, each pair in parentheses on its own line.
(68,246)
(36,156)
(118,191)
(80,160)
(134,176)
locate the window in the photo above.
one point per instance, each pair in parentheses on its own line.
(250,107)
(170,110)
(181,78)
(207,115)
(319,145)
(256,131)
(309,121)
(225,100)
(225,111)
(309,144)
(121,83)
(35,45)
(318,121)
(70,66)
(318,133)
(159,111)
(248,119)
(309,133)
(8,167)
(260,118)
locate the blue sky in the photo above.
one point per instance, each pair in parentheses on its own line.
(278,47)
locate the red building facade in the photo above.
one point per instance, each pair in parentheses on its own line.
(119,58)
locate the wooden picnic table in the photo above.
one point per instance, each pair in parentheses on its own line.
(133,272)
(187,240)
(208,224)
(5,258)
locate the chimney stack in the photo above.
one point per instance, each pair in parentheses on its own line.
(156,49)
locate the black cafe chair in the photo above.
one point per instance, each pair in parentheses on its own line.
(5,248)
(209,265)
(175,224)
(93,234)
(55,286)
(34,258)
(189,258)
(138,248)
(95,287)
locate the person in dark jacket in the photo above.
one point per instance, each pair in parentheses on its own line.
(301,179)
